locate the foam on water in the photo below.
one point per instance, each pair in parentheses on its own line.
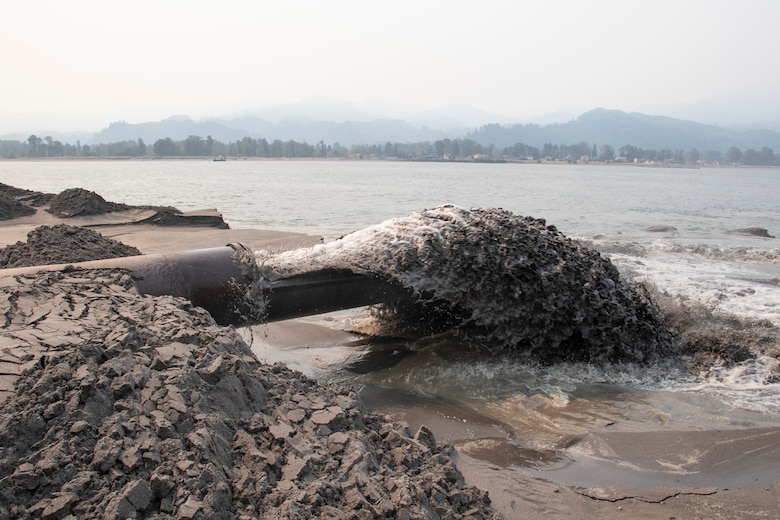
(753,384)
(467,377)
(739,288)
(736,279)
(693,247)
(720,394)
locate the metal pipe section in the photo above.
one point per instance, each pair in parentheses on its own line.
(325,291)
(221,280)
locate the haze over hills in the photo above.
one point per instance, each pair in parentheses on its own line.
(333,121)
(313,120)
(454,121)
(618,128)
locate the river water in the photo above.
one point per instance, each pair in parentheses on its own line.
(534,411)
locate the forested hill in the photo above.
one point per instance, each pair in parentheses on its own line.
(617,128)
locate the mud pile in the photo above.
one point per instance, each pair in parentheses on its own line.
(78,202)
(18,202)
(62,244)
(11,208)
(509,283)
(128,406)
(173,217)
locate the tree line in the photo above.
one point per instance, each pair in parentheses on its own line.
(444,149)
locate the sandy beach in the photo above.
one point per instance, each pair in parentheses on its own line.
(708,460)
(153,239)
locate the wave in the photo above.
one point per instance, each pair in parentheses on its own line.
(638,248)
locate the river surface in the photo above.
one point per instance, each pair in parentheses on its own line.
(533,411)
(335,197)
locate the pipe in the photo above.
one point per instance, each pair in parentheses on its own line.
(325,291)
(221,281)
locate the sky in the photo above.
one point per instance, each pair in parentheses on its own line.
(81,64)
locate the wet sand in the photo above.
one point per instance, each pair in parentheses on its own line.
(597,469)
(720,474)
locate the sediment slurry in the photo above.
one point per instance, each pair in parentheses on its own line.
(118,405)
(514,284)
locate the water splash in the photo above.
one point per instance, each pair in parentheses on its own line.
(508,283)
(735,253)
(753,384)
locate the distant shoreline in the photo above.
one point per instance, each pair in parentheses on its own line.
(389,159)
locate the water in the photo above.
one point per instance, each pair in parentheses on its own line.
(335,197)
(695,260)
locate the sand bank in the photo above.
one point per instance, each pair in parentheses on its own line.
(153,239)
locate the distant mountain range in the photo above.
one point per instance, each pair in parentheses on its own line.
(226,130)
(347,123)
(617,128)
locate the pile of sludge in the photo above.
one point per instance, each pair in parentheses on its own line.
(129,406)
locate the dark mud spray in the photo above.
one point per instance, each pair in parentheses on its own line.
(507,283)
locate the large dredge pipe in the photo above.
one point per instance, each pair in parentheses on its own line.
(217,280)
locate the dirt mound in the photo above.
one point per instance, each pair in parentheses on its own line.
(31,198)
(18,202)
(128,406)
(62,244)
(78,202)
(173,217)
(11,208)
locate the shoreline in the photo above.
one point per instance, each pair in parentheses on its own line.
(155,239)
(512,492)
(209,158)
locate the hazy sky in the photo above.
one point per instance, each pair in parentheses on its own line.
(81,64)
